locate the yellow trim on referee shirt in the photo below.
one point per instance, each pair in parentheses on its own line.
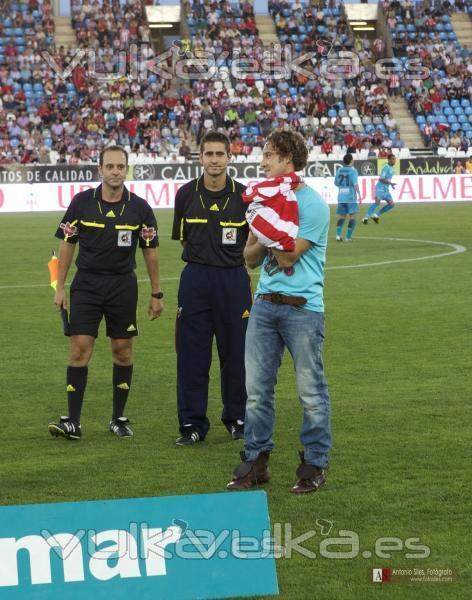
(196,220)
(130,227)
(93,224)
(232,224)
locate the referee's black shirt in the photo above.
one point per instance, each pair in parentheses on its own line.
(212,224)
(108,232)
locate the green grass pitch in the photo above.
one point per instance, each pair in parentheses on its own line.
(398,362)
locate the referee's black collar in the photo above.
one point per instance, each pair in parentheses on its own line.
(125,197)
(228,189)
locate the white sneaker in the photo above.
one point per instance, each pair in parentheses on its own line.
(339,238)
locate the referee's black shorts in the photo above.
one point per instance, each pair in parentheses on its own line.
(93,296)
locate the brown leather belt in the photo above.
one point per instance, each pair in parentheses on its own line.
(276,298)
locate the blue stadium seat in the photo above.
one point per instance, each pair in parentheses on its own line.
(465,102)
(332,113)
(455,127)
(38,87)
(448,111)
(420,120)
(452,119)
(458,110)
(462,119)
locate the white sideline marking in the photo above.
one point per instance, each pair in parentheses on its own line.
(456,249)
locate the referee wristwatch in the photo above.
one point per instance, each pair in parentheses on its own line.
(158,295)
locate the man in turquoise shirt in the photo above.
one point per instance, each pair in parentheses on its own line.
(348,196)
(288,311)
(382,192)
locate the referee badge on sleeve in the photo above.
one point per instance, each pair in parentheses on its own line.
(229,235)
(124,238)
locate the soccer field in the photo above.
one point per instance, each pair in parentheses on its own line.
(398,362)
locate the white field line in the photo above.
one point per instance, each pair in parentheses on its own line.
(456,249)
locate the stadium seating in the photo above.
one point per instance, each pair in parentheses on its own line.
(73,119)
(440,101)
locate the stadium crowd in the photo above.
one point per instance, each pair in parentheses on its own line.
(335,105)
(440,100)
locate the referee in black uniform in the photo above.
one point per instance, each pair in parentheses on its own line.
(108,223)
(214,297)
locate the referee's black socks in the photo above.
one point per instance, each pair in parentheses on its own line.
(76,383)
(121,386)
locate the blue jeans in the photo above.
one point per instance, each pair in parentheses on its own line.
(271,328)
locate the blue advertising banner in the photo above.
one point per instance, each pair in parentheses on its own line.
(177,547)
